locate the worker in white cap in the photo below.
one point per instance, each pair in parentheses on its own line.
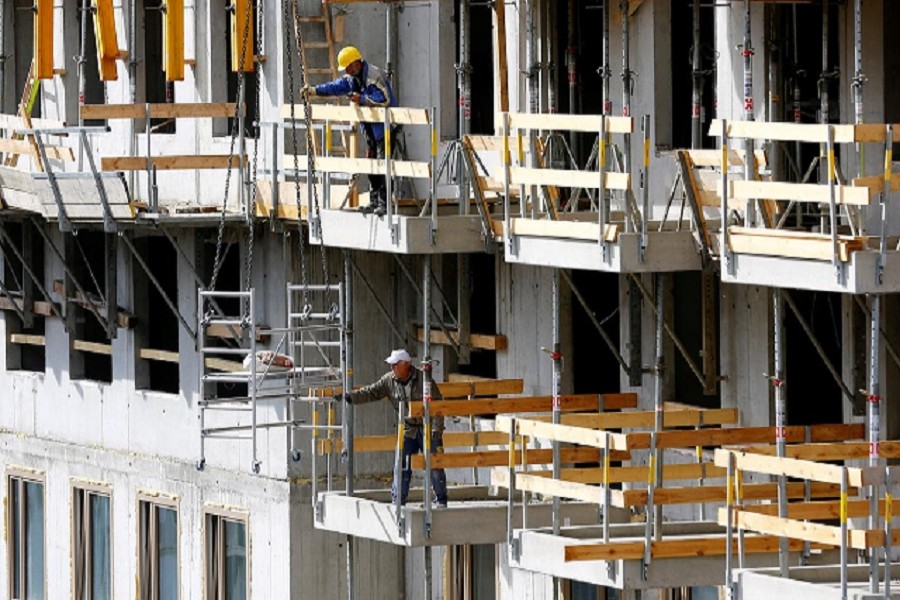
(403,383)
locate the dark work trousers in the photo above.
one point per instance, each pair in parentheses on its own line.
(375,149)
(413,445)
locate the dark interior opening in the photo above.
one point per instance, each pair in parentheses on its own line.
(687,300)
(596,371)
(23,51)
(156,89)
(23,356)
(87,262)
(481,60)
(482,309)
(682,69)
(813,396)
(162,326)
(94,87)
(250,98)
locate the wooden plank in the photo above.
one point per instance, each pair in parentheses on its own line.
(682,547)
(27,339)
(358,114)
(486,387)
(159,355)
(184,110)
(217,330)
(14,146)
(92,347)
(523,404)
(718,493)
(568,434)
(887,449)
(671,418)
(798,192)
(576,230)
(675,472)
(821,510)
(123,317)
(875,132)
(169,163)
(368,166)
(221,364)
(485,143)
(479,341)
(741,435)
(713,158)
(800,469)
(497,458)
(875,183)
(799,530)
(791,244)
(16,122)
(41,308)
(388,443)
(785,132)
(566,122)
(568,178)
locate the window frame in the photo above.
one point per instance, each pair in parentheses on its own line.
(23,475)
(157,500)
(90,488)
(221,514)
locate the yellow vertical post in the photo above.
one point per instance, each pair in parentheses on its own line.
(241,28)
(173,46)
(107,42)
(43,39)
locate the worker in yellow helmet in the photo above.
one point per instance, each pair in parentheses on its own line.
(365,85)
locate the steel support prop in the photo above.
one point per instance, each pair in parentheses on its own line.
(426,417)
(659,372)
(533,91)
(3,56)
(873,419)
(697,79)
(749,160)
(859,81)
(464,68)
(627,88)
(780,416)
(86,12)
(556,357)
(572,68)
(347,408)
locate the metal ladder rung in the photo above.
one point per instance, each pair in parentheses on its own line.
(214,430)
(215,350)
(316,44)
(311,19)
(322,343)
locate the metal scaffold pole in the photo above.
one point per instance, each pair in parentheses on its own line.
(426,417)
(464,68)
(572,69)
(659,381)
(749,162)
(697,92)
(780,416)
(873,418)
(82,79)
(533,90)
(627,85)
(347,409)
(556,356)
(607,72)
(859,80)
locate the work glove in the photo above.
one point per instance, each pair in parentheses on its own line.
(341,397)
(308,91)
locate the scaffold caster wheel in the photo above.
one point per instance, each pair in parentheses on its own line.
(295,455)
(201,464)
(256,466)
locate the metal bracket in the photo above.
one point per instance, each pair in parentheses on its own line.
(515,548)
(64,224)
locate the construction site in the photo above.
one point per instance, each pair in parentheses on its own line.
(640,253)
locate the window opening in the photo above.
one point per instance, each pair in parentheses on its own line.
(23,29)
(25,346)
(26,538)
(156,89)
(158,328)
(92,576)
(158,551)
(226,557)
(94,87)
(91,356)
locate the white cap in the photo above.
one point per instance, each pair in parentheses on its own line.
(398,355)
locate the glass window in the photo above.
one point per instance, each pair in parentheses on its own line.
(226,558)
(91,551)
(26,540)
(158,568)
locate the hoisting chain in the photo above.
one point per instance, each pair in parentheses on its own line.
(217,262)
(289,62)
(257,130)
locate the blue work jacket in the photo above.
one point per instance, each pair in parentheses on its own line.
(372,86)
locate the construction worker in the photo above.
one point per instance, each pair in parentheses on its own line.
(403,383)
(365,85)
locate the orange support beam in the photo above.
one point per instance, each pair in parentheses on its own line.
(241,28)
(43,39)
(107,42)
(173,45)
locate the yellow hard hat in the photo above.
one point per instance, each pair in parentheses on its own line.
(348,56)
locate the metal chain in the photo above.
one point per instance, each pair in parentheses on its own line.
(309,143)
(217,263)
(309,134)
(288,42)
(253,169)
